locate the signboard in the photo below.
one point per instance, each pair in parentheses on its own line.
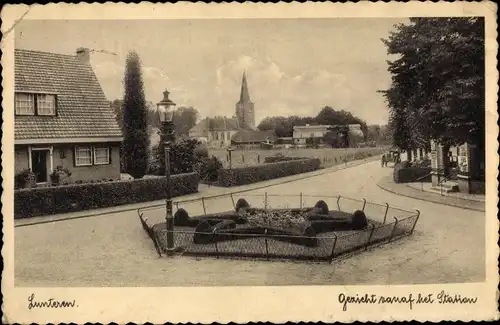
(434,164)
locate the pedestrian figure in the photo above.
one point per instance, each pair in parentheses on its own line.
(383,162)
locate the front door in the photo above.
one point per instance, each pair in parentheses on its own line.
(39,165)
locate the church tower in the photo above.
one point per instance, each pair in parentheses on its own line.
(245,112)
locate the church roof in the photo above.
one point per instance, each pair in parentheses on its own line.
(244,94)
(218,123)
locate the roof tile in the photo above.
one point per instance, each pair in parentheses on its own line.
(82,108)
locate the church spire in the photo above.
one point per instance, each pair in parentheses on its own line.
(244,95)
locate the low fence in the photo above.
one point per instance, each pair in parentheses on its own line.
(272,247)
(386,224)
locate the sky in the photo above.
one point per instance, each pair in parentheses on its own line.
(293,66)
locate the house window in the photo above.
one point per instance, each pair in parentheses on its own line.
(35,104)
(83,156)
(46,104)
(101,155)
(25,104)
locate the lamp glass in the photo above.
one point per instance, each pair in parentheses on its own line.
(165,112)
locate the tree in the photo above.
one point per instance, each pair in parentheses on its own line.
(117,107)
(283,126)
(135,120)
(373,133)
(185,118)
(337,136)
(437,89)
(329,116)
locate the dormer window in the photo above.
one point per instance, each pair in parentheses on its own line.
(35,104)
(46,104)
(25,104)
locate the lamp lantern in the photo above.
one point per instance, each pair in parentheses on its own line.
(166,108)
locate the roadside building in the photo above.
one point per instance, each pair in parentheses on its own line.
(62,118)
(459,168)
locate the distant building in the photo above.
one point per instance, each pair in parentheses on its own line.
(216,132)
(253,138)
(62,118)
(245,110)
(220,131)
(304,134)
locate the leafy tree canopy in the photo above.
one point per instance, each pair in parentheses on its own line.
(437,89)
(283,125)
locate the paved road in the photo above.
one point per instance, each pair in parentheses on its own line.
(112,250)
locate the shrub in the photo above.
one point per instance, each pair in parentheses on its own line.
(182,157)
(252,174)
(25,179)
(59,175)
(280,157)
(241,204)
(322,206)
(77,197)
(208,168)
(200,152)
(402,174)
(358,220)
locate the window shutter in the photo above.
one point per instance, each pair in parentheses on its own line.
(74,156)
(109,152)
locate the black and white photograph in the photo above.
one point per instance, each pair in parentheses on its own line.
(258,152)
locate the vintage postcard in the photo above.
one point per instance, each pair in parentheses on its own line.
(249,162)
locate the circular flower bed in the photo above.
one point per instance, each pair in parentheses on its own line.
(295,222)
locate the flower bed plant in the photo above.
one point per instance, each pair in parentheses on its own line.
(298,226)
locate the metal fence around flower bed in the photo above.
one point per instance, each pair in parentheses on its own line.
(268,247)
(386,224)
(379,212)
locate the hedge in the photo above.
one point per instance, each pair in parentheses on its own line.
(252,174)
(403,174)
(77,197)
(274,159)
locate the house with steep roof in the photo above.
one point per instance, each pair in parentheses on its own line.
(62,118)
(216,132)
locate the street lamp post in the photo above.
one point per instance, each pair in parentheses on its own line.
(229,150)
(166,114)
